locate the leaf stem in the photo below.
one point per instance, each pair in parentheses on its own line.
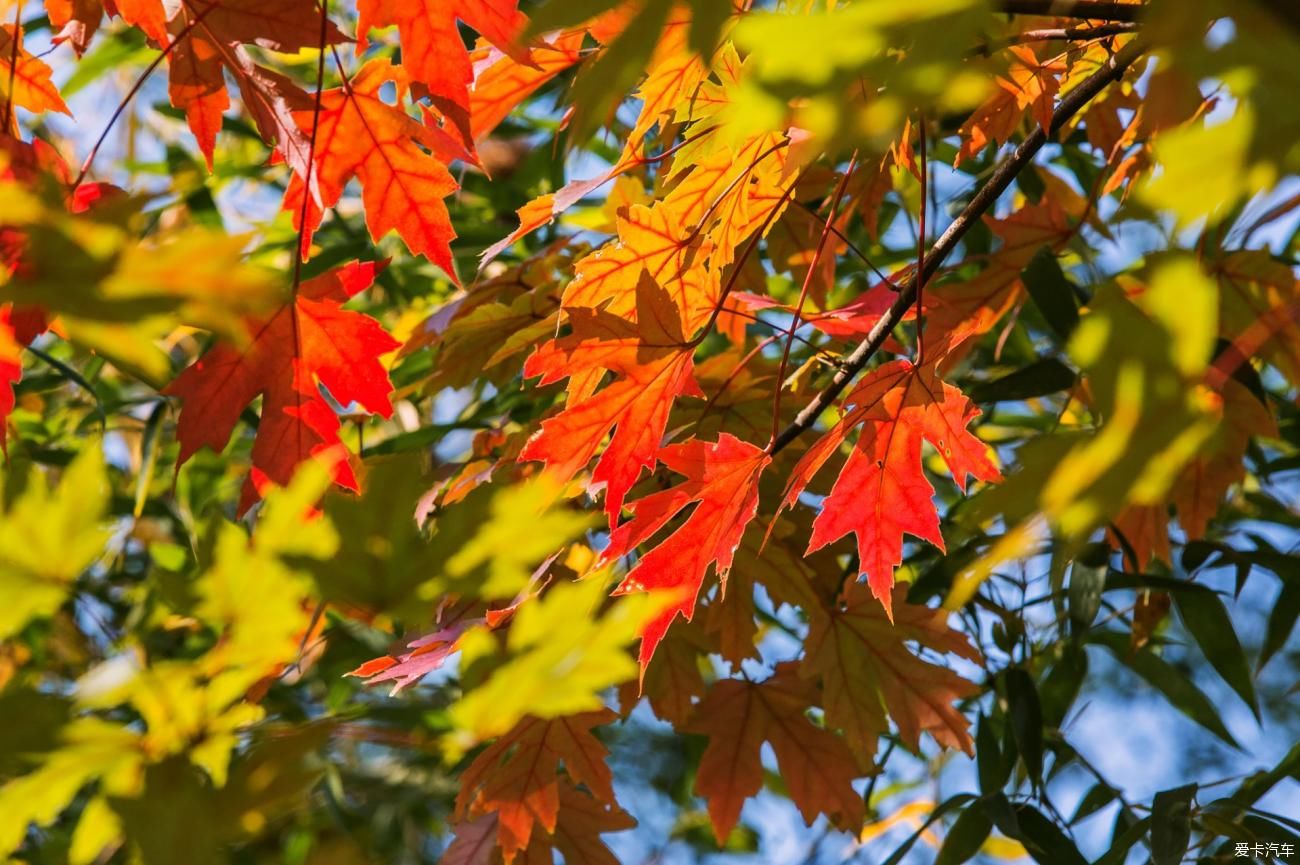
(130,94)
(13,68)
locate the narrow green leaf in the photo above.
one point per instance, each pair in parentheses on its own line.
(1061,685)
(1098,796)
(1207,620)
(1257,785)
(1043,376)
(1281,621)
(994,767)
(1026,720)
(1123,842)
(1044,840)
(947,805)
(1052,293)
(1171,824)
(566,13)
(1087,579)
(1167,679)
(965,837)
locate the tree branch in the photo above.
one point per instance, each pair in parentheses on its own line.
(988,194)
(1069,34)
(1092,10)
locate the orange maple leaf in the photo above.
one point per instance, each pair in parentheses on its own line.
(26,81)
(433,51)
(654,364)
(502,81)
(722,483)
(882,493)
(362,136)
(815,764)
(308,343)
(1030,85)
(516,777)
(209,42)
(866,668)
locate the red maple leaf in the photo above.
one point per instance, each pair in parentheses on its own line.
(653,361)
(209,42)
(308,343)
(363,136)
(722,483)
(433,51)
(881,493)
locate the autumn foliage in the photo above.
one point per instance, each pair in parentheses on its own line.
(762,392)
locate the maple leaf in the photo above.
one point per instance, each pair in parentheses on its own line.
(209,39)
(881,492)
(653,362)
(583,819)
(502,81)
(1202,483)
(75,20)
(673,681)
(308,343)
(722,483)
(960,310)
(1258,293)
(784,575)
(475,843)
(867,669)
(28,82)
(1030,85)
(362,136)
(427,653)
(433,51)
(515,778)
(816,765)
(11,372)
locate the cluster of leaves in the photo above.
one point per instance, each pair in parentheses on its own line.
(721,396)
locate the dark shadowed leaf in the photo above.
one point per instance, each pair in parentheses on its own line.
(1171,824)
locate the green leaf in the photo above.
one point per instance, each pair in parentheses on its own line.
(1061,685)
(966,836)
(1087,580)
(1165,678)
(560,658)
(1207,620)
(1026,720)
(600,85)
(1098,796)
(1122,842)
(558,14)
(1171,824)
(1281,621)
(1044,840)
(994,767)
(1257,785)
(49,535)
(1044,376)
(1051,292)
(947,805)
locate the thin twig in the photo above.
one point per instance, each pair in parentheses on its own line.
(1091,10)
(984,199)
(130,94)
(1054,34)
